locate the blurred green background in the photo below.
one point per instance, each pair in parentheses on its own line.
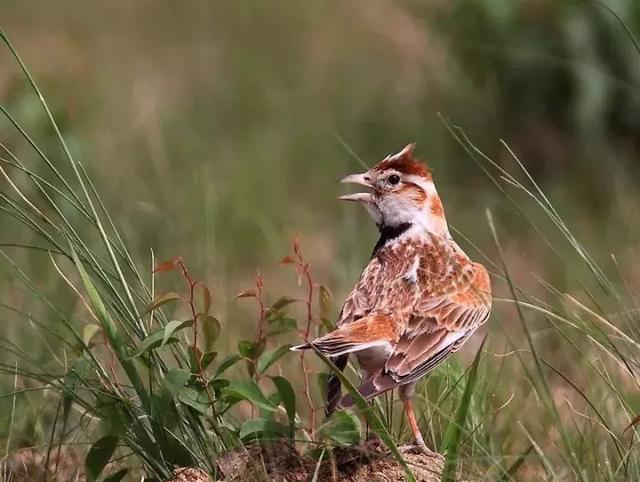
(210,127)
(213,129)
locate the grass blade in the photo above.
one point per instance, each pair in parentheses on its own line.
(453,434)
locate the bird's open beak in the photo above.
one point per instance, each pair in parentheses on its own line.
(362,179)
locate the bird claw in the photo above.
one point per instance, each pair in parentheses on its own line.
(420,448)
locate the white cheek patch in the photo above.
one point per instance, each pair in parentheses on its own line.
(426,185)
(395,210)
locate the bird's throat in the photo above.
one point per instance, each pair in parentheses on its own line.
(387,233)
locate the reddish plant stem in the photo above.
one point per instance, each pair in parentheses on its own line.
(262,310)
(191,302)
(191,285)
(306,273)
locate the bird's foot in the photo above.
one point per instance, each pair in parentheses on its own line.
(419,447)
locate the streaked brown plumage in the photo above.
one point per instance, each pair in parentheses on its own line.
(419,298)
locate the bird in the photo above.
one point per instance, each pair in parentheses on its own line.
(418,300)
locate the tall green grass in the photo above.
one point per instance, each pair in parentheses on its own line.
(547,397)
(145,391)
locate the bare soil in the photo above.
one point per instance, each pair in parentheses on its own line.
(281,462)
(267,462)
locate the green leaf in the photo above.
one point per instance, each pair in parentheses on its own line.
(218,384)
(453,434)
(343,428)
(288,397)
(249,349)
(174,381)
(208,358)
(99,456)
(268,358)
(282,302)
(116,477)
(227,362)
(158,338)
(197,360)
(279,324)
(210,327)
(206,297)
(88,332)
(195,356)
(260,428)
(250,391)
(275,398)
(173,326)
(162,299)
(195,396)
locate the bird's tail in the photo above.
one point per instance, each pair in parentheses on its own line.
(334,391)
(368,332)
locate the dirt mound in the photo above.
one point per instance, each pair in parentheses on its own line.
(63,464)
(281,462)
(30,463)
(273,462)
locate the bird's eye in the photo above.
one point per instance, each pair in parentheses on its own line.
(393,179)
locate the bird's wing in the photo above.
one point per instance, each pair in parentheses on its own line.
(376,330)
(358,303)
(442,321)
(382,287)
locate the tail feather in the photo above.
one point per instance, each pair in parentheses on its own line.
(369,389)
(304,346)
(334,391)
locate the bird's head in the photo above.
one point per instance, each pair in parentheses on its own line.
(401,192)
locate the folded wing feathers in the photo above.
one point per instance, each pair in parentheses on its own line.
(367,332)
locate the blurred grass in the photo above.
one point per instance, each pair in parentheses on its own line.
(210,132)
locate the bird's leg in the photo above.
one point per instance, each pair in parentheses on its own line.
(418,445)
(413,423)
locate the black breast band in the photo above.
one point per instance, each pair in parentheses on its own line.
(387,233)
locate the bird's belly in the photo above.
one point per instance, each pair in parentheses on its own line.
(374,359)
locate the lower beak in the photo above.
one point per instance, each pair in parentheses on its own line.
(362,197)
(363,180)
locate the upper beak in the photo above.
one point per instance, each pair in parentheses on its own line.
(362,179)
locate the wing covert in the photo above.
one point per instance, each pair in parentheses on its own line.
(440,324)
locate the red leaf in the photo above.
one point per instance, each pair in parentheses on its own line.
(246,294)
(287,260)
(169,265)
